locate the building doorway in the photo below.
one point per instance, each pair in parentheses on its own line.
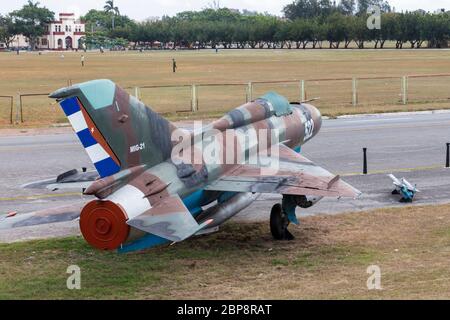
(69,43)
(60,44)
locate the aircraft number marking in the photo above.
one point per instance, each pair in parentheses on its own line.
(309,129)
(137,147)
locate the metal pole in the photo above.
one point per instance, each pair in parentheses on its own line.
(11,112)
(365,161)
(405,89)
(302,91)
(194,98)
(447,163)
(355,92)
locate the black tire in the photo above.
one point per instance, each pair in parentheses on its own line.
(279,223)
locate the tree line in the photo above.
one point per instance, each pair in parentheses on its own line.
(306,23)
(261,31)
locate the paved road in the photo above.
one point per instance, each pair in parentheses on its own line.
(394,142)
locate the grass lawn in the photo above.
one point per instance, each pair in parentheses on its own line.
(328,260)
(33,73)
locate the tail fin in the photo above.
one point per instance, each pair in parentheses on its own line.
(116,129)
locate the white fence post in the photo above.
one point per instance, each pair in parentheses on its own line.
(194,103)
(355,92)
(137,93)
(405,89)
(302,91)
(249,92)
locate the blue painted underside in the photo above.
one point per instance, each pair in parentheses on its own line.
(193,204)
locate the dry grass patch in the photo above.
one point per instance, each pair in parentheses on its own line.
(31,73)
(328,260)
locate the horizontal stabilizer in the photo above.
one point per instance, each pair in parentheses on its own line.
(169,219)
(71,180)
(61,214)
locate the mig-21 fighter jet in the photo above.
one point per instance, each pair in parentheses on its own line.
(157,184)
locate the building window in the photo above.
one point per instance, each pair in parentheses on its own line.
(44,42)
(67,28)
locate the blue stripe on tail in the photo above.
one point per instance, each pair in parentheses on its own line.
(86,138)
(70,106)
(107,167)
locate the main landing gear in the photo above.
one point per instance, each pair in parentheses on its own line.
(282,214)
(279,223)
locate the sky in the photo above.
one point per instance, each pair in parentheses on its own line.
(143,9)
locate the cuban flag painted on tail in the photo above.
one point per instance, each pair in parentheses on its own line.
(93,142)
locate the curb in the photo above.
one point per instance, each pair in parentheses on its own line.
(60,125)
(379,115)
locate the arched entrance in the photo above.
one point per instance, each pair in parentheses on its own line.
(60,44)
(69,43)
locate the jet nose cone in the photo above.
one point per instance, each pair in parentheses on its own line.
(316,118)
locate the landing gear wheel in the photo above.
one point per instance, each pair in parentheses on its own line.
(279,223)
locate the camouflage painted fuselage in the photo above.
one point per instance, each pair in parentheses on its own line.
(133,148)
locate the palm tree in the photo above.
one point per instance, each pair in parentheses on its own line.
(109,7)
(33,5)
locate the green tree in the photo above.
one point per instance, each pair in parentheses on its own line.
(7,30)
(309,9)
(110,8)
(359,30)
(387,31)
(347,7)
(302,32)
(31,21)
(363,5)
(336,30)
(282,34)
(436,30)
(99,22)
